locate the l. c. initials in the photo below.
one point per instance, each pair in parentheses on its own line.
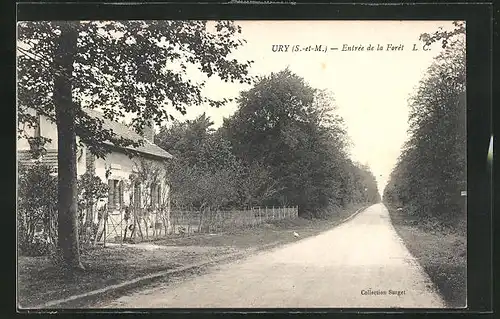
(425,47)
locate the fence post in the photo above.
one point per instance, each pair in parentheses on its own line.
(104,231)
(217,221)
(200,221)
(121,226)
(210,220)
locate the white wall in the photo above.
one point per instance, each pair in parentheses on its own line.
(122,167)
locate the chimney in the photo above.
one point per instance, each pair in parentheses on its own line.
(149,131)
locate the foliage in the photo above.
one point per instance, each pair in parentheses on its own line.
(256,186)
(36,210)
(293,130)
(37,146)
(197,187)
(443,35)
(431,170)
(285,145)
(91,191)
(204,173)
(121,67)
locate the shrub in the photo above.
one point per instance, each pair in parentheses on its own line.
(36,211)
(91,190)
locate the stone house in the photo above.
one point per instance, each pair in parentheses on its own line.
(138,185)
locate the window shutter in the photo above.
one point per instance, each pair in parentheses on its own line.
(154,191)
(111,194)
(158,188)
(139,188)
(152,195)
(137,195)
(117,194)
(121,193)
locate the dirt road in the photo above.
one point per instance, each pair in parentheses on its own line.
(361,263)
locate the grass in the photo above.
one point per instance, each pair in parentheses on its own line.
(110,265)
(441,252)
(104,267)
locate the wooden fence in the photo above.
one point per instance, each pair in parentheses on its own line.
(188,222)
(183,222)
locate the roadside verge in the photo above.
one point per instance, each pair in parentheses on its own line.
(441,253)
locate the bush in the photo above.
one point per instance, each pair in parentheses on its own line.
(37,207)
(91,190)
(39,245)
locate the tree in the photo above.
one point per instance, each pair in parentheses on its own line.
(431,168)
(205,172)
(123,67)
(293,131)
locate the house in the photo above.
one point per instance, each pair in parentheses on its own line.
(138,185)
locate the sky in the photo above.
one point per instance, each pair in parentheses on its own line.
(371,88)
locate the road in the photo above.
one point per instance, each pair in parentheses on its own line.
(360,264)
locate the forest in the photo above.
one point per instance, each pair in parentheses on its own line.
(431,171)
(284,146)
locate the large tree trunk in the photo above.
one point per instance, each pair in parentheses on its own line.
(64,57)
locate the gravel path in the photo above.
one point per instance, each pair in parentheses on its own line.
(361,263)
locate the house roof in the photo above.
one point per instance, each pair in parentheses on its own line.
(50,158)
(148,147)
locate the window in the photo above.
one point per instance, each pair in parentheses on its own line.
(137,195)
(115,195)
(121,187)
(155,195)
(158,197)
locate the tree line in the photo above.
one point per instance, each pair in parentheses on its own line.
(431,171)
(285,145)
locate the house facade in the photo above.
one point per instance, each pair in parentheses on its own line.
(138,200)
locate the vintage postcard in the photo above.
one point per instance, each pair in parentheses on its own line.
(241,164)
